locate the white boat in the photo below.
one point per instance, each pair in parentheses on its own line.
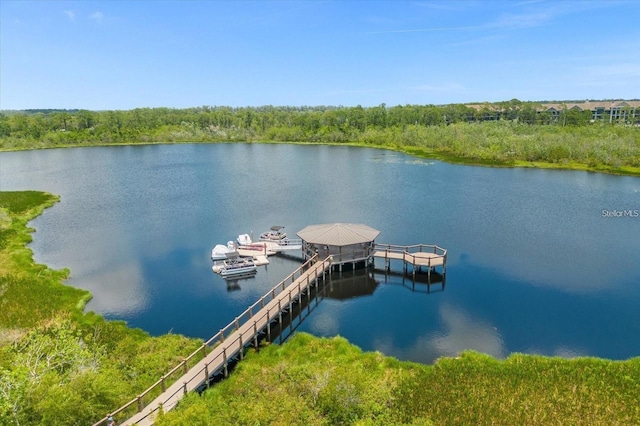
(220,251)
(235,265)
(244,239)
(245,243)
(274,234)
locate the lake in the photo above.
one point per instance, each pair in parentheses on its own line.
(539,261)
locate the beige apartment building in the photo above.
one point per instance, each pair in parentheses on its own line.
(611,111)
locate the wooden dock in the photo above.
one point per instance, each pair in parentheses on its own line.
(418,256)
(216,355)
(228,344)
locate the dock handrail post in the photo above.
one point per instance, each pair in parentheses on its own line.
(224,362)
(269,325)
(241,347)
(139,398)
(206,374)
(184,386)
(309,290)
(237,324)
(290,313)
(163,383)
(184,363)
(255,335)
(221,336)
(204,350)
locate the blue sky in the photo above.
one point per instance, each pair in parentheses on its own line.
(127,54)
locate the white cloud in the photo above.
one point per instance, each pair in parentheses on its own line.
(537,14)
(117,291)
(465,332)
(525,20)
(460,331)
(425,30)
(97,16)
(70,14)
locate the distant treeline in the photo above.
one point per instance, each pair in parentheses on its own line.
(523,133)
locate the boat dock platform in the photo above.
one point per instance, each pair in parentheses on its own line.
(268,248)
(418,256)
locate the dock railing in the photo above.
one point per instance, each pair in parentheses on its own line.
(411,254)
(351,256)
(289,242)
(246,323)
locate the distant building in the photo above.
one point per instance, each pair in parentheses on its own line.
(607,111)
(610,111)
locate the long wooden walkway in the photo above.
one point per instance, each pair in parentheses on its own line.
(215,354)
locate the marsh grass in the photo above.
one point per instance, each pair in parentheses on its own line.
(58,364)
(30,292)
(317,381)
(598,147)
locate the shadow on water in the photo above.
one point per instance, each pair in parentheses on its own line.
(233,283)
(421,282)
(338,286)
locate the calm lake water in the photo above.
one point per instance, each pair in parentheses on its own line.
(539,261)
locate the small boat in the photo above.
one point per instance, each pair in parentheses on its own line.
(244,242)
(244,239)
(274,234)
(220,251)
(235,265)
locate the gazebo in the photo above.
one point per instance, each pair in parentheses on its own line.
(346,243)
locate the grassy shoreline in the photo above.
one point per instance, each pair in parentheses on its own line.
(58,364)
(327,381)
(419,152)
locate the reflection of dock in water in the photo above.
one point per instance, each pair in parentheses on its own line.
(418,281)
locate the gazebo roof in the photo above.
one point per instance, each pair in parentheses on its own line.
(338,234)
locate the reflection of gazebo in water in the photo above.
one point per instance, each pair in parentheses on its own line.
(349,285)
(346,243)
